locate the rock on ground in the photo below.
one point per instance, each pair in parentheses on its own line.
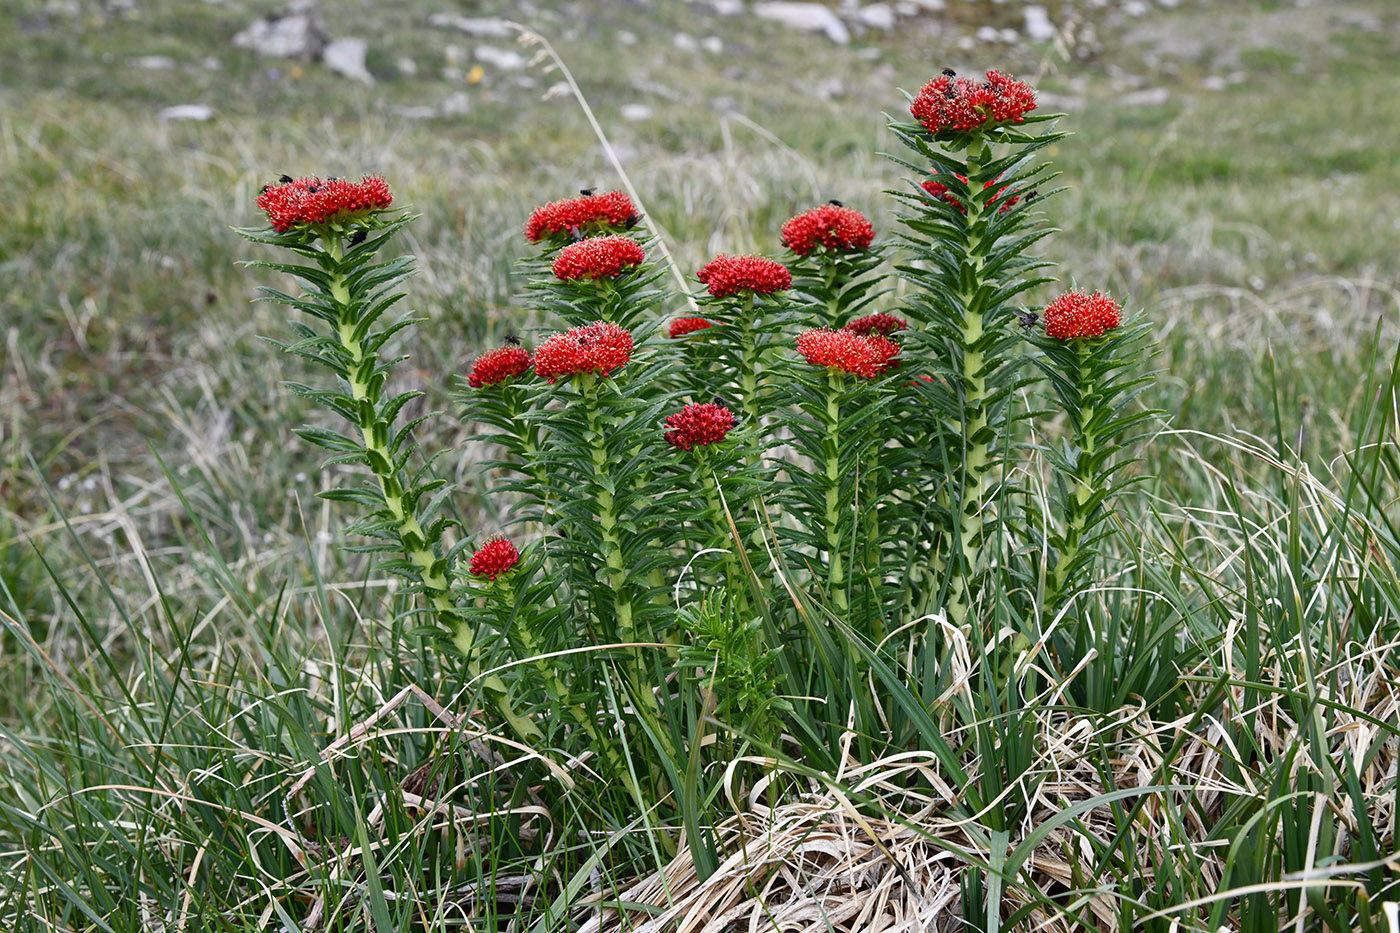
(808,17)
(347,57)
(294,33)
(186,112)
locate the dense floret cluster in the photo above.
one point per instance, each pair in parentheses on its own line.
(598,348)
(1075,314)
(864,356)
(687,325)
(731,275)
(495,557)
(497,366)
(951,103)
(885,324)
(831,227)
(602,257)
(591,214)
(699,425)
(305,201)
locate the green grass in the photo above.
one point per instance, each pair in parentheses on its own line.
(178,621)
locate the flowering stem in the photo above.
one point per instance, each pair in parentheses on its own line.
(748,365)
(365,386)
(607,510)
(831,478)
(375,436)
(1077,504)
(977,461)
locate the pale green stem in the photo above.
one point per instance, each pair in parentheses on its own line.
(1083,490)
(978,463)
(413,540)
(831,477)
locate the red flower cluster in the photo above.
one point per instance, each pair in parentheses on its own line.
(938,190)
(590,214)
(876,324)
(1075,314)
(699,425)
(948,103)
(865,356)
(688,325)
(313,201)
(838,229)
(495,557)
(729,275)
(598,348)
(599,258)
(498,366)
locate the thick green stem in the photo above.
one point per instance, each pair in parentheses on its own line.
(1080,515)
(374,434)
(607,513)
(831,479)
(979,452)
(748,362)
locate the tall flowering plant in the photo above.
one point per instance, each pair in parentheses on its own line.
(967,240)
(337,227)
(776,519)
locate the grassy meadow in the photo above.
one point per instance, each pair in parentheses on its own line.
(183,633)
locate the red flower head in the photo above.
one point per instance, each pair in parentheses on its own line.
(948,103)
(313,201)
(885,324)
(688,325)
(851,353)
(838,229)
(495,557)
(938,190)
(590,214)
(1075,314)
(498,366)
(699,425)
(599,258)
(730,275)
(594,348)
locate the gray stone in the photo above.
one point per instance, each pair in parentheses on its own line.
(1038,25)
(712,44)
(347,57)
(829,89)
(685,42)
(876,16)
(727,7)
(504,59)
(295,33)
(154,62)
(808,17)
(186,112)
(480,26)
(988,34)
(1148,97)
(636,112)
(456,104)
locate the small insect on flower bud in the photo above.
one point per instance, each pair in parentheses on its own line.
(359,237)
(632,221)
(1027,319)
(835,203)
(587,192)
(513,340)
(1031,196)
(285,179)
(950,72)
